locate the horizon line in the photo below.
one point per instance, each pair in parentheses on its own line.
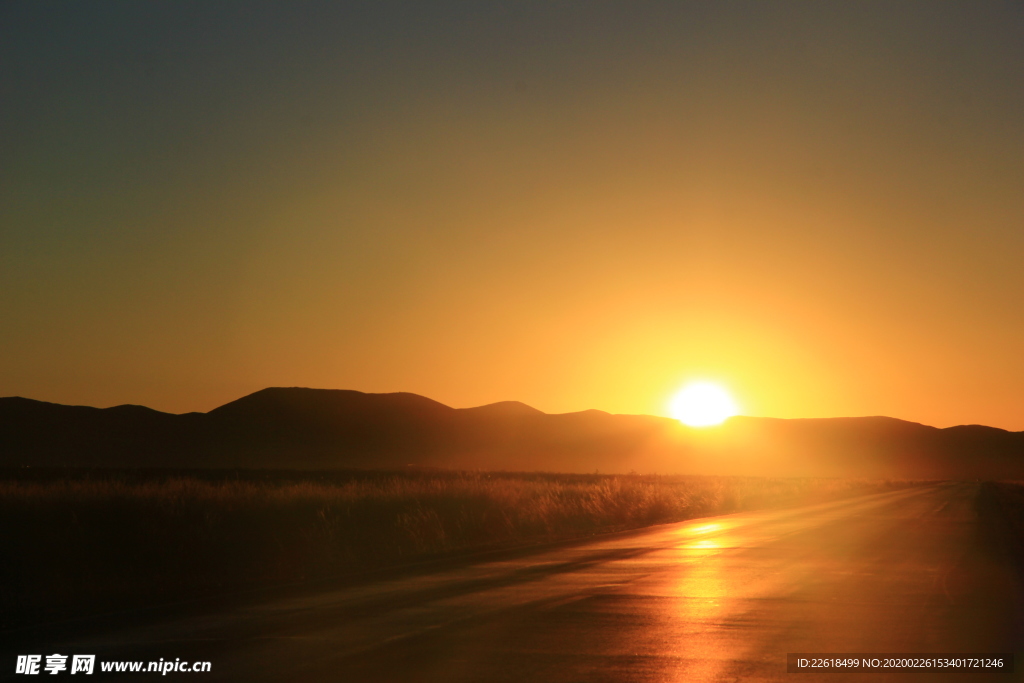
(495,403)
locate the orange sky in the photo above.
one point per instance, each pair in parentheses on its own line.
(819,205)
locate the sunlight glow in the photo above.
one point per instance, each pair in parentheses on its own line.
(702,404)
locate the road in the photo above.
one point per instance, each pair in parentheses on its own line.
(717,599)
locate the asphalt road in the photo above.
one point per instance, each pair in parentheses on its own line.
(717,599)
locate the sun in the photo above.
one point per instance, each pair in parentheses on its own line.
(702,404)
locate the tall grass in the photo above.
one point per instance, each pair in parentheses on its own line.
(1006,499)
(110,541)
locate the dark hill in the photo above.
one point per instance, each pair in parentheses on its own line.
(502,409)
(318,404)
(318,428)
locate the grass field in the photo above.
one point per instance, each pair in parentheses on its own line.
(1006,499)
(88,542)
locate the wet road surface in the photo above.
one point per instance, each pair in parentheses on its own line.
(716,599)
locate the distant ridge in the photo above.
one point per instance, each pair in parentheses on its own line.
(507,408)
(300,428)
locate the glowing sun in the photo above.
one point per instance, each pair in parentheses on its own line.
(702,404)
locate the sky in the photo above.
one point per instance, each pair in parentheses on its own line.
(819,205)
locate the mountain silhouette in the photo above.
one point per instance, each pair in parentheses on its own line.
(298,428)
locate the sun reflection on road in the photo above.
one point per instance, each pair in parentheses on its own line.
(695,596)
(703,541)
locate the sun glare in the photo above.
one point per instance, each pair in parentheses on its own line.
(702,404)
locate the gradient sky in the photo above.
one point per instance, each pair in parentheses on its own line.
(575,205)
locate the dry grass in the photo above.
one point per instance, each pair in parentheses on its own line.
(1007,499)
(97,542)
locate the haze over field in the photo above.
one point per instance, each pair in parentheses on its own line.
(816,204)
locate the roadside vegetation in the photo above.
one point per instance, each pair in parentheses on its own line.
(100,541)
(1006,500)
